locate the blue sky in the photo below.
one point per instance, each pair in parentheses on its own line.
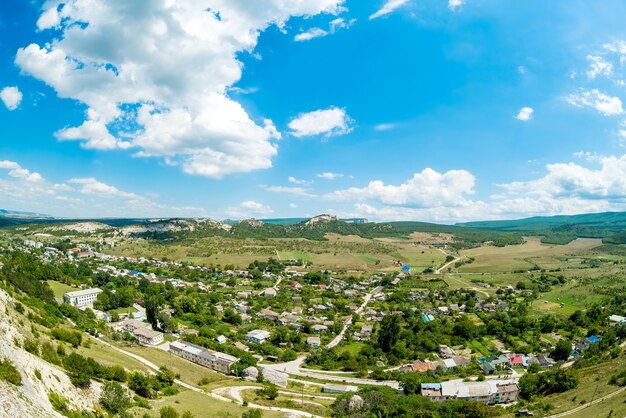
(434,110)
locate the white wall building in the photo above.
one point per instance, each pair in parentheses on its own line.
(82,297)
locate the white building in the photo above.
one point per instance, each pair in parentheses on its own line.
(213,359)
(84,297)
(257,336)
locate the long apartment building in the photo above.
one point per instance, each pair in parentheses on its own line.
(208,358)
(488,392)
(84,297)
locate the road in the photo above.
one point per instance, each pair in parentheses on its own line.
(440,269)
(295,367)
(213,394)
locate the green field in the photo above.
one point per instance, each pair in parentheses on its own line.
(295,255)
(59,288)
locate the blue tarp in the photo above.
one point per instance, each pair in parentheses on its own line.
(406,268)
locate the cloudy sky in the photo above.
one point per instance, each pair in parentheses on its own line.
(432,110)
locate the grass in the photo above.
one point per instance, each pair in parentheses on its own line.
(201,406)
(295,255)
(353,347)
(478,347)
(189,372)
(108,356)
(59,288)
(121,311)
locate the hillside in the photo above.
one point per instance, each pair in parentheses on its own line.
(562,229)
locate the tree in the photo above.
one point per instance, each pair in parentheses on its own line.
(140,384)
(563,350)
(152,306)
(168,412)
(79,369)
(388,333)
(114,397)
(269,391)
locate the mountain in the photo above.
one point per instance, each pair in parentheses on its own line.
(17,214)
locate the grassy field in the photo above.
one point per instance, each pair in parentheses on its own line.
(593,385)
(59,288)
(525,256)
(295,255)
(201,406)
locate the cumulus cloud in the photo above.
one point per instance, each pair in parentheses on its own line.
(333,121)
(389,7)
(329,175)
(455,4)
(574,181)
(595,99)
(427,188)
(11,97)
(525,114)
(154,76)
(249,208)
(17,171)
(23,189)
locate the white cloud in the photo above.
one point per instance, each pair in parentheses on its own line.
(569,180)
(606,105)
(293,190)
(428,188)
(155,76)
(29,191)
(294,180)
(385,127)
(249,208)
(310,34)
(455,4)
(329,175)
(293,205)
(599,66)
(16,171)
(11,97)
(333,27)
(525,114)
(330,122)
(389,7)
(522,70)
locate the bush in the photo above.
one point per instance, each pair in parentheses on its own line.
(9,373)
(32,346)
(79,369)
(253,413)
(168,412)
(73,337)
(269,391)
(49,354)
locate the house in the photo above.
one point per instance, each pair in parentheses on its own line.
(221,339)
(617,319)
(84,297)
(319,328)
(488,392)
(148,336)
(334,388)
(314,341)
(492,363)
(269,314)
(418,367)
(270,292)
(258,336)
(212,359)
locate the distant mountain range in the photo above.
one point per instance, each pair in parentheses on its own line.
(610,226)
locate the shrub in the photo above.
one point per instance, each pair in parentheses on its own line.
(32,346)
(114,397)
(9,373)
(168,412)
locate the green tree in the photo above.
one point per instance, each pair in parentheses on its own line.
(79,369)
(562,350)
(389,332)
(114,397)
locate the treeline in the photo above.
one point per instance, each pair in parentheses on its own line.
(385,402)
